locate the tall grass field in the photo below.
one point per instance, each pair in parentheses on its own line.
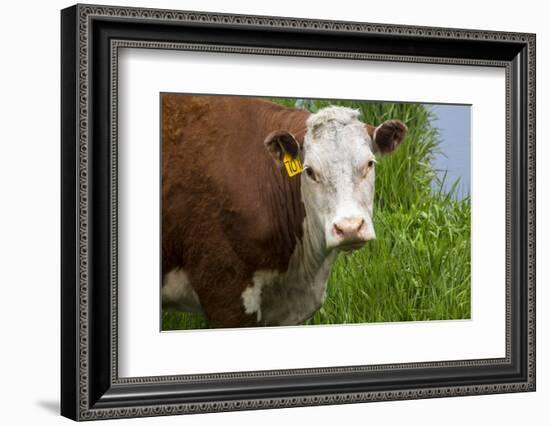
(418,268)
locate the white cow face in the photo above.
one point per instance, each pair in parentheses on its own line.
(339,173)
(337,182)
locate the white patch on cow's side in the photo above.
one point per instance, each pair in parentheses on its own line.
(252,295)
(293,296)
(178,292)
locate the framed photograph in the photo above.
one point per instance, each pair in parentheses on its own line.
(263,212)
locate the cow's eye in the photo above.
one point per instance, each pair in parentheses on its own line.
(368,167)
(311,174)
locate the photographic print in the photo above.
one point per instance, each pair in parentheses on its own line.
(268,184)
(292,211)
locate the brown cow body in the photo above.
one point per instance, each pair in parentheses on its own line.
(233,223)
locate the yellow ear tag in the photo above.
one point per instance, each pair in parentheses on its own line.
(293,165)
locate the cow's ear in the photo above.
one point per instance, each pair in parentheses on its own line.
(387,136)
(280,142)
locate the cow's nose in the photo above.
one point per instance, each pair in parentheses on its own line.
(350,231)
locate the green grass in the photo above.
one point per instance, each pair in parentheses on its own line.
(418,268)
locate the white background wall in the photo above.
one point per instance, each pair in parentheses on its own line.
(29,211)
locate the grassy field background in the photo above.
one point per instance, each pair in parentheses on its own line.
(418,268)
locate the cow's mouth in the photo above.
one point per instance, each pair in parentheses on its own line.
(349,247)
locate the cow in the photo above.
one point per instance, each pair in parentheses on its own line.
(244,242)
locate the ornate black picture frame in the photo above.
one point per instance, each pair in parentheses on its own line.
(90,38)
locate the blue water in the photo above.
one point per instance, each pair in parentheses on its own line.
(454,125)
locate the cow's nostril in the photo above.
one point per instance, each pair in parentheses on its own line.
(361,224)
(338,231)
